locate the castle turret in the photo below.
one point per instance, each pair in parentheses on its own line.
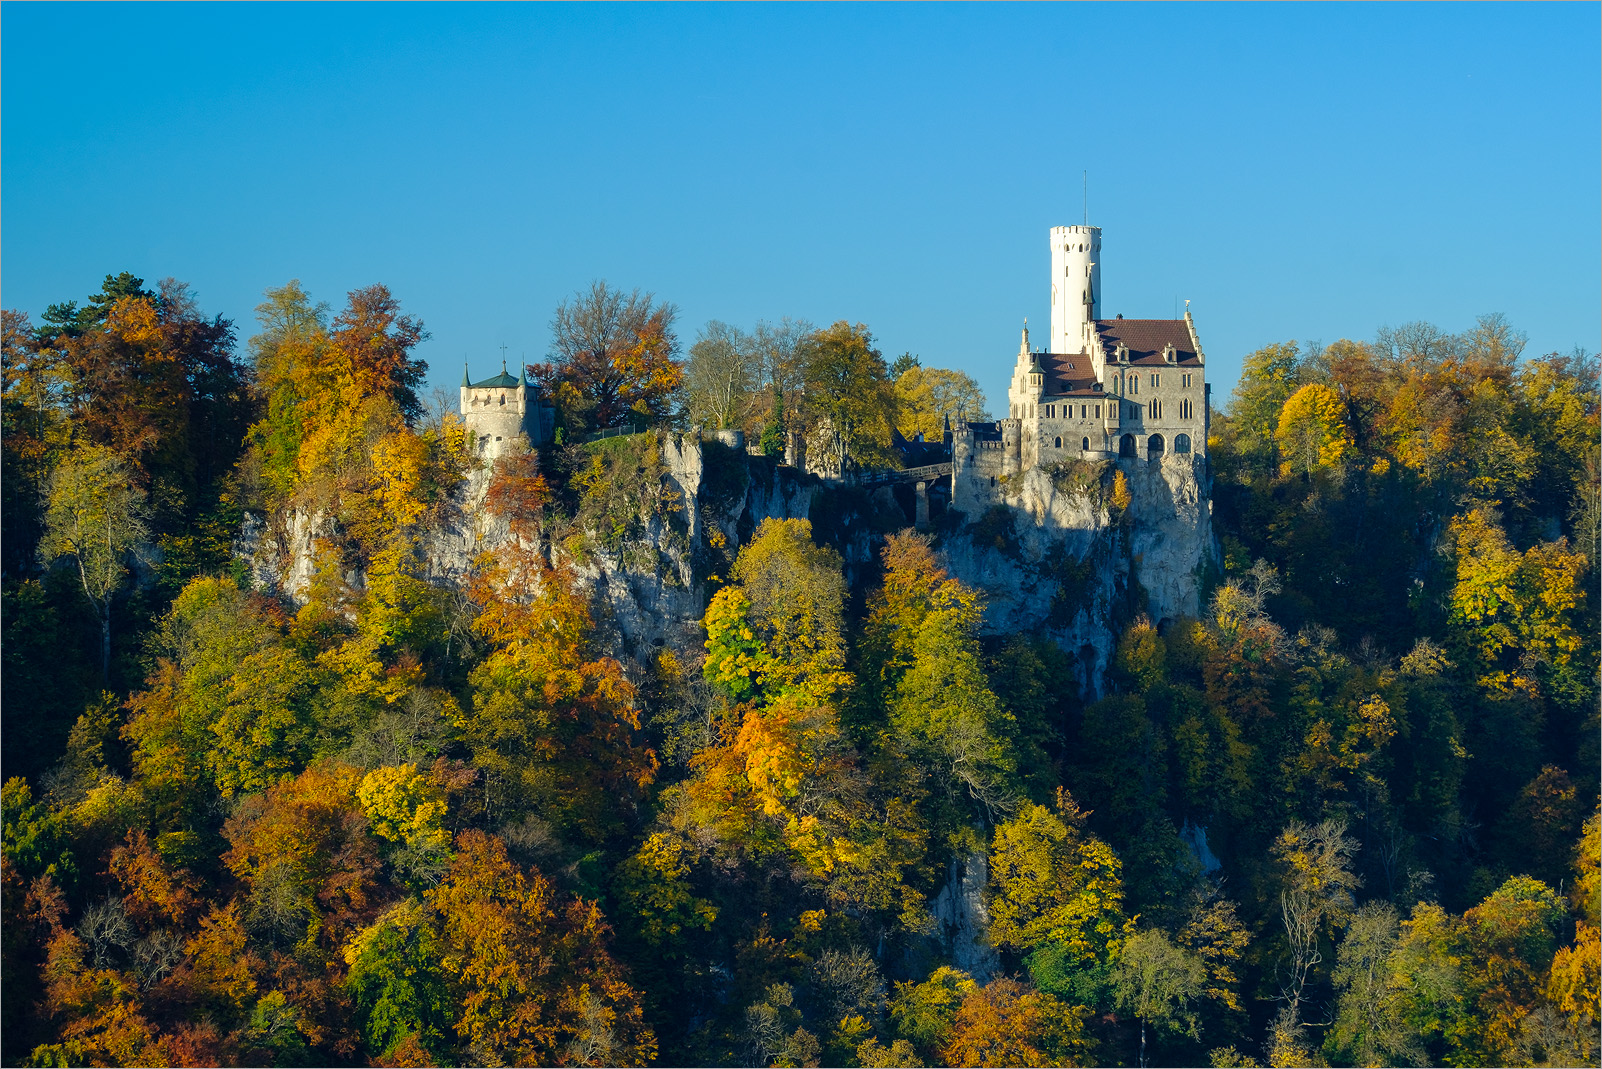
(1075,286)
(502,413)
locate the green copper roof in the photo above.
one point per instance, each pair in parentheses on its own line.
(501,380)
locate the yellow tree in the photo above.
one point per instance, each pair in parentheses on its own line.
(1312,435)
(792,603)
(1514,610)
(553,723)
(927,396)
(531,972)
(1009,1023)
(1053,882)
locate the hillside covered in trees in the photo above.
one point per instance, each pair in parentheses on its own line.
(1348,816)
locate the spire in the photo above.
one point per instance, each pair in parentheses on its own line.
(465,380)
(522,374)
(1023,346)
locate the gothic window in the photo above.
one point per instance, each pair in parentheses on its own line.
(1181,443)
(1187,410)
(1058,443)
(1084,443)
(1154,447)
(1156,409)
(1134,384)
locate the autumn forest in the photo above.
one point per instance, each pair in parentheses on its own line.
(1346,815)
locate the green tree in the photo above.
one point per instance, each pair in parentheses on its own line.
(1268,377)
(98,518)
(849,387)
(1369,1025)
(1157,982)
(396,981)
(925,1012)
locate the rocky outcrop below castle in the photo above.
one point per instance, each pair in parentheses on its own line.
(647,590)
(1054,551)
(1058,552)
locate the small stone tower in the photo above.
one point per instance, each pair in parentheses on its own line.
(502,413)
(1075,286)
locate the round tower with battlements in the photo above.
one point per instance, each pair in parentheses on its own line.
(1075,286)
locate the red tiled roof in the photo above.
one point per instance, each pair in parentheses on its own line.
(1146,339)
(1068,373)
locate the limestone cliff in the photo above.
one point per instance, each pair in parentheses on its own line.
(1055,553)
(647,591)
(1052,553)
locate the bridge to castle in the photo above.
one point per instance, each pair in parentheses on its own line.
(927,473)
(921,479)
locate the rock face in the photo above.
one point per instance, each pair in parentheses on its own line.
(1052,554)
(964,921)
(637,607)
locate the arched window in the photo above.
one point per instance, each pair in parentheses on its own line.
(1154,447)
(1181,443)
(1084,443)
(1059,443)
(1126,446)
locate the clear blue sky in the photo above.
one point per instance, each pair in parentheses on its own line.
(1297,171)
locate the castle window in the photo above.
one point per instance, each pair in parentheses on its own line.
(1058,443)
(1084,443)
(1154,378)
(1156,408)
(1181,443)
(1134,384)
(1187,410)
(1184,379)
(1081,411)
(1098,411)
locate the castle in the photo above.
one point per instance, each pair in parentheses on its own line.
(505,414)
(1105,389)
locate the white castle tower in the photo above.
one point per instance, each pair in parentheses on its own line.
(1116,389)
(1075,286)
(504,414)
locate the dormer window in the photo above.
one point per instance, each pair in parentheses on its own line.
(1122,353)
(1170,354)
